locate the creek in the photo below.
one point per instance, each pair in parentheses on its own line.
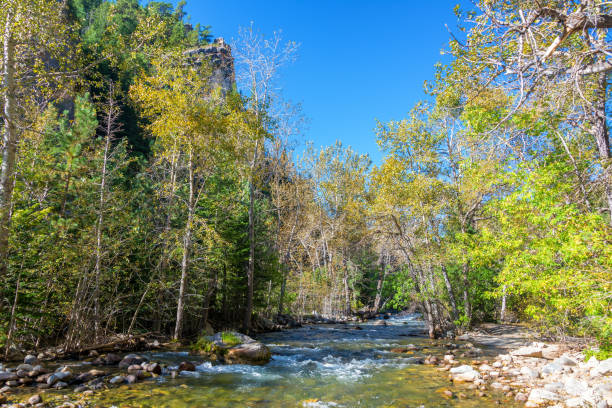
(341,365)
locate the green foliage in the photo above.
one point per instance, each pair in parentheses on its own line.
(230,339)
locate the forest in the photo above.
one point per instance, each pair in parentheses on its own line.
(154,180)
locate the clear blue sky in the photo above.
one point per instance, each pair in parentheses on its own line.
(358,61)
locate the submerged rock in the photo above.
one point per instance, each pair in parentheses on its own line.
(186,366)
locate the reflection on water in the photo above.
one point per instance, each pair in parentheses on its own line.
(317,366)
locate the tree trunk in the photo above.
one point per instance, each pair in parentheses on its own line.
(102,204)
(451,294)
(502,314)
(9,151)
(246,325)
(466,294)
(212,288)
(602,137)
(382,274)
(186,249)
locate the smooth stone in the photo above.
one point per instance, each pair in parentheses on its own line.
(31,359)
(117,380)
(131,359)
(34,399)
(24,367)
(131,379)
(565,361)
(529,372)
(60,385)
(5,376)
(528,351)
(540,396)
(552,368)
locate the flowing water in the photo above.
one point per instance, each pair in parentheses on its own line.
(314,366)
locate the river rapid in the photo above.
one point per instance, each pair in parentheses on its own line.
(345,365)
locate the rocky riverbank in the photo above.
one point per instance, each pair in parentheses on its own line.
(113,370)
(534,373)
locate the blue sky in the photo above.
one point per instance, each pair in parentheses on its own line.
(358,61)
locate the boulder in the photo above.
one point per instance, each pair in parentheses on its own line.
(248,353)
(229,339)
(528,351)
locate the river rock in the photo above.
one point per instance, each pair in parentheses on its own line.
(551,352)
(186,366)
(59,376)
(552,368)
(131,379)
(555,387)
(24,367)
(34,399)
(6,376)
(97,373)
(528,351)
(111,359)
(464,373)
(530,372)
(153,368)
(565,361)
(414,360)
(576,388)
(540,396)
(83,377)
(131,359)
(134,368)
(248,353)
(60,384)
(604,367)
(118,379)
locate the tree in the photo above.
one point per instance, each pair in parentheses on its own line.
(548,55)
(258,61)
(28,77)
